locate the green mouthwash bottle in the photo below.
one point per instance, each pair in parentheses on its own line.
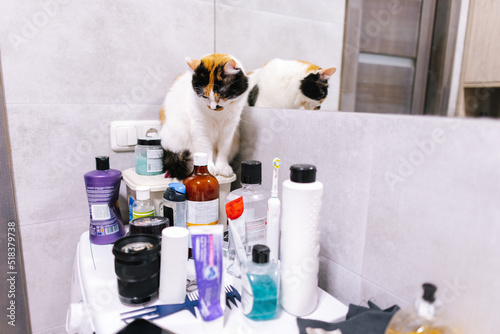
(260,285)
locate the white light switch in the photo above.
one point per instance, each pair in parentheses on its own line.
(124,134)
(131,135)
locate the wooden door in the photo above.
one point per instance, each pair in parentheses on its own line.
(386,55)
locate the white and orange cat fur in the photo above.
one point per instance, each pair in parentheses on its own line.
(289,84)
(201,113)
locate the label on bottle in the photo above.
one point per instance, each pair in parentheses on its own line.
(256,231)
(130,208)
(100,211)
(169,213)
(103,220)
(154,161)
(202,213)
(136,214)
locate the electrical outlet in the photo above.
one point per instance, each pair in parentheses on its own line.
(124,134)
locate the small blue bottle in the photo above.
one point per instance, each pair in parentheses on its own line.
(261,285)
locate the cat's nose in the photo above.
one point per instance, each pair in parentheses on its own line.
(213,105)
(215,108)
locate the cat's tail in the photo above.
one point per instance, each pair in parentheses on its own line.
(178,165)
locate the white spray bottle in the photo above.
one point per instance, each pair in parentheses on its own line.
(273,216)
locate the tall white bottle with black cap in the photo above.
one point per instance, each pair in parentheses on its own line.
(300,240)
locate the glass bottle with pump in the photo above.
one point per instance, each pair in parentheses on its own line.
(421,318)
(255,204)
(260,285)
(143,205)
(202,194)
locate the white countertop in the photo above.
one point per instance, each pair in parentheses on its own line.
(96,264)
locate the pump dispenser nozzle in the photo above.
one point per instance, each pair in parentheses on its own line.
(429,292)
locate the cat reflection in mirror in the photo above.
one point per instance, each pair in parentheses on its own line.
(289,84)
(201,113)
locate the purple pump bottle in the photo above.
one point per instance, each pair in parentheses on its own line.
(103,187)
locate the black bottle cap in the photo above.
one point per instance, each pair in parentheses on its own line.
(251,172)
(149,141)
(260,254)
(303,173)
(429,291)
(102,163)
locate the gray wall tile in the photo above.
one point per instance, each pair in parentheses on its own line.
(340,282)
(51,156)
(48,252)
(343,162)
(97,52)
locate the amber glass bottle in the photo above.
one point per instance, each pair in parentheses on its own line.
(202,194)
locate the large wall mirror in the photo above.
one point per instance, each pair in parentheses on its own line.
(393,57)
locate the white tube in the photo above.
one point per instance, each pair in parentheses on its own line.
(174,255)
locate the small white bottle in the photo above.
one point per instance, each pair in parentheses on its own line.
(143,205)
(300,240)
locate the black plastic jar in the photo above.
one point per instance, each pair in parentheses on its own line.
(137,267)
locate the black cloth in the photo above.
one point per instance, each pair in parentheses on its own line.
(359,320)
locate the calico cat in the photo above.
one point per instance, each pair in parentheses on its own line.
(289,84)
(201,113)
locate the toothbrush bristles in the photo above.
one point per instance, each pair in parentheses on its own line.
(276,162)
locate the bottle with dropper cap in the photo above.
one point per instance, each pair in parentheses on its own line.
(420,318)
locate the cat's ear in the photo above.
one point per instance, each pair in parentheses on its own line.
(231,67)
(193,63)
(327,73)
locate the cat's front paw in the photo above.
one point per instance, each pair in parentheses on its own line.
(212,169)
(224,169)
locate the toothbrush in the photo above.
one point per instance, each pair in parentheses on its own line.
(273,215)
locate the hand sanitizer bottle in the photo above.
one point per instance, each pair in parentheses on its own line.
(143,205)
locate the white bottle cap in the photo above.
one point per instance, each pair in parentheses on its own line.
(200,159)
(142,193)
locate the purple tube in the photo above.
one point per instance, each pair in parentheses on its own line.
(207,255)
(103,188)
